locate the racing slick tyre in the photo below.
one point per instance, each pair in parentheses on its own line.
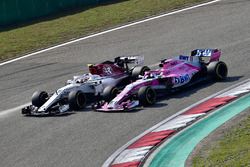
(77,100)
(39,98)
(146,96)
(139,70)
(218,70)
(109,93)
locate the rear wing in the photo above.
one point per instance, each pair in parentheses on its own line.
(214,54)
(137,60)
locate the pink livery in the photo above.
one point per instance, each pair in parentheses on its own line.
(173,74)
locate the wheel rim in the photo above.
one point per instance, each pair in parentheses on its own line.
(114,92)
(222,71)
(143,71)
(43,96)
(80,100)
(150,96)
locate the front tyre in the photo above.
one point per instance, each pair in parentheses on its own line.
(77,100)
(109,93)
(218,70)
(39,98)
(146,96)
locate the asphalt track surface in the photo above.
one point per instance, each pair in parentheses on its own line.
(88,138)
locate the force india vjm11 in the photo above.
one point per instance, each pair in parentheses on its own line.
(173,74)
(94,85)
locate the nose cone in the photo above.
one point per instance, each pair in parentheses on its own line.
(42,109)
(112,105)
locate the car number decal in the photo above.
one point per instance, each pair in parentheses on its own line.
(107,70)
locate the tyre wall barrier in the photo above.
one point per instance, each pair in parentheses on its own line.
(16,11)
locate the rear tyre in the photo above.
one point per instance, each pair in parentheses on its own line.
(77,100)
(109,93)
(139,70)
(218,70)
(39,98)
(146,96)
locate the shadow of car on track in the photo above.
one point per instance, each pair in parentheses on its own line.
(187,91)
(158,104)
(233,78)
(125,111)
(65,114)
(51,115)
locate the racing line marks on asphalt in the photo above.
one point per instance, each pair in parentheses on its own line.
(108,31)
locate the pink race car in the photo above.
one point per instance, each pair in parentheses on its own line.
(173,74)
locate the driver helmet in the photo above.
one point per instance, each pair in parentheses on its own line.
(92,69)
(146,74)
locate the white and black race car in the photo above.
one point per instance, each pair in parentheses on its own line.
(88,88)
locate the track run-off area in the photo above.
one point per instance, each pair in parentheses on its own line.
(89,138)
(169,142)
(197,122)
(176,151)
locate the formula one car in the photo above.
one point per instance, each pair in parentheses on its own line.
(87,88)
(173,74)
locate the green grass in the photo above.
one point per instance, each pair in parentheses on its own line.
(232,150)
(18,41)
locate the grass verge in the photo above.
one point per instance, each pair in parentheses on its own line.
(231,149)
(18,41)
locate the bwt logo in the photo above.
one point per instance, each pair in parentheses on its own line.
(181,79)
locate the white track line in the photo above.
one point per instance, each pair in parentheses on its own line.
(12,110)
(111,30)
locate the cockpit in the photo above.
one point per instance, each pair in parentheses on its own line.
(150,74)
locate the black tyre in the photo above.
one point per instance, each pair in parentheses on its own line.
(77,100)
(39,98)
(139,70)
(218,70)
(146,96)
(109,93)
